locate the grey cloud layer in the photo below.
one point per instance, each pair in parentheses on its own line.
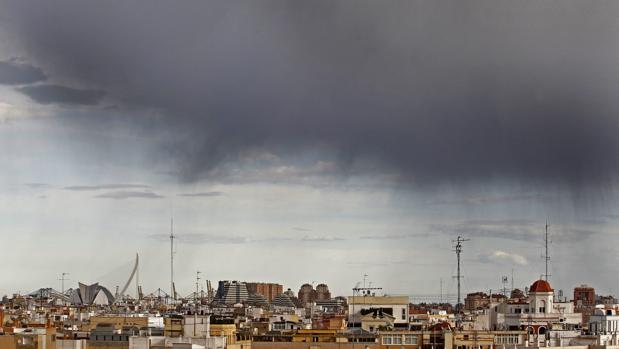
(46,94)
(203,194)
(14,72)
(129,194)
(194,238)
(436,92)
(106,186)
(512,229)
(37,185)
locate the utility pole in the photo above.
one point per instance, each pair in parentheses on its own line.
(546,255)
(458,250)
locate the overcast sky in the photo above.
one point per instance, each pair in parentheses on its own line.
(312,141)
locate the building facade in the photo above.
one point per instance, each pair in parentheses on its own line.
(232,292)
(268,290)
(584,301)
(322,292)
(395,306)
(537,314)
(307,295)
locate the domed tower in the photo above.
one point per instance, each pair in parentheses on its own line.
(541,296)
(322,292)
(307,294)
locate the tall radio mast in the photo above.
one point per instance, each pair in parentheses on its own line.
(172,258)
(458,250)
(546,255)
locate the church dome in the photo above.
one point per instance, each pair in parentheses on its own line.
(540,286)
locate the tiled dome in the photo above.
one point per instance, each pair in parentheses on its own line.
(540,286)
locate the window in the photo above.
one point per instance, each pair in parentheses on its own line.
(403,314)
(399,339)
(410,339)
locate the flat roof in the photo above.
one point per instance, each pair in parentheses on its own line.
(378,300)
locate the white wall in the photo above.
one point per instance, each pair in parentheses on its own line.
(70,344)
(396,308)
(195,325)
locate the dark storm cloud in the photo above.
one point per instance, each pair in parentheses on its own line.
(15,72)
(47,94)
(434,92)
(129,194)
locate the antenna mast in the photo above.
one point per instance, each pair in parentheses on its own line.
(197,285)
(458,250)
(172,258)
(356,292)
(512,279)
(546,256)
(63,279)
(441,290)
